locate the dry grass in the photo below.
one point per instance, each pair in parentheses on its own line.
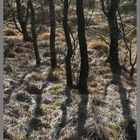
(12,40)
(9,32)
(43,109)
(53,76)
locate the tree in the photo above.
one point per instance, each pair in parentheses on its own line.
(22,16)
(52,34)
(82,84)
(69,44)
(34,34)
(110,8)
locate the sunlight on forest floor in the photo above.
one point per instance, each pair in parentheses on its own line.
(37,105)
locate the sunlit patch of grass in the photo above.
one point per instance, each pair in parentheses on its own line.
(13,133)
(56,88)
(114,127)
(14,40)
(19,135)
(98,44)
(44,36)
(55,105)
(9,32)
(97,131)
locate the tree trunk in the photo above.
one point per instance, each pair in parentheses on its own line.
(69,45)
(52,34)
(82,85)
(110,10)
(34,34)
(22,20)
(113,53)
(24,31)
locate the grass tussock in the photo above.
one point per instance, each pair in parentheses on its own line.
(9,32)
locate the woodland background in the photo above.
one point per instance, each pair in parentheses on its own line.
(69,69)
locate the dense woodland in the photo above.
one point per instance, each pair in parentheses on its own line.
(69,69)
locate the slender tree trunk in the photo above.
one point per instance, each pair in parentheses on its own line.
(24,31)
(22,21)
(110,10)
(113,53)
(34,34)
(82,85)
(52,34)
(69,45)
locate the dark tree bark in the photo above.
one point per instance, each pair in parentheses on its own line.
(22,19)
(110,12)
(113,53)
(69,45)
(52,34)
(34,34)
(82,85)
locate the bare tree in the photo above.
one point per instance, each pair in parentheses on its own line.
(22,16)
(110,8)
(128,43)
(69,44)
(52,34)
(34,34)
(82,85)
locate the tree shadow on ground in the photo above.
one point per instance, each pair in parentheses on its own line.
(128,124)
(15,86)
(35,123)
(82,115)
(6,99)
(63,119)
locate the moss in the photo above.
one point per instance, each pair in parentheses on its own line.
(55,105)
(114,127)
(55,89)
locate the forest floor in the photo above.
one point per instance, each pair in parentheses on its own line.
(39,106)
